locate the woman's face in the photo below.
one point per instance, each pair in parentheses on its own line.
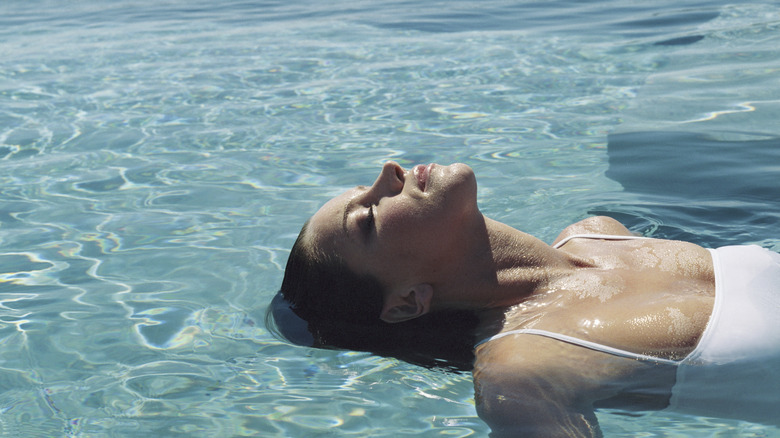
(406,226)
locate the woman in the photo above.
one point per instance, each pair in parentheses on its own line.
(602,318)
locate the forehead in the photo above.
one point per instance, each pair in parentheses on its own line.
(325,226)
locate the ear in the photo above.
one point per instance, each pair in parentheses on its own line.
(407,303)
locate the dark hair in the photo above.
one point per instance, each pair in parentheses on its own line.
(341,309)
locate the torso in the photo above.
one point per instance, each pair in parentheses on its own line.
(647,296)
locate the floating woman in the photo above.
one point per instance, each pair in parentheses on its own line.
(409,267)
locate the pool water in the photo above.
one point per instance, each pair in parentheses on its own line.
(157,159)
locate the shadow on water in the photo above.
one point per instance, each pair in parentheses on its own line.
(695,187)
(617,18)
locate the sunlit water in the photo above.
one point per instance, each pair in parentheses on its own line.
(157,159)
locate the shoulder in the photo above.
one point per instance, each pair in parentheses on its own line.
(523,361)
(523,387)
(594,225)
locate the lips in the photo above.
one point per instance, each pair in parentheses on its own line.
(422,174)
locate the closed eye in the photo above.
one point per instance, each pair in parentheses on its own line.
(368,223)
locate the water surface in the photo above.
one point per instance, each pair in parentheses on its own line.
(158,157)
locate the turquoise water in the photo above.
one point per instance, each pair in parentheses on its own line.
(157,159)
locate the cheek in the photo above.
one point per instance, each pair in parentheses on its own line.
(418,237)
(430,222)
(402,217)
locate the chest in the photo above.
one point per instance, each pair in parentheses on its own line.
(640,297)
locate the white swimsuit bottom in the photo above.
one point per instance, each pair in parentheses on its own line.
(734,371)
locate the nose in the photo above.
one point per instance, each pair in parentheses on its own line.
(390,181)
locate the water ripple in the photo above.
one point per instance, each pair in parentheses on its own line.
(157,161)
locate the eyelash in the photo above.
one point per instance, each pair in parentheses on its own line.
(370,218)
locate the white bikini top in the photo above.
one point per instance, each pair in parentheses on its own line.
(581,342)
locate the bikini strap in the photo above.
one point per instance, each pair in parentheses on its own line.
(583,343)
(597,236)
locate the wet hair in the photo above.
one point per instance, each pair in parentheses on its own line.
(341,309)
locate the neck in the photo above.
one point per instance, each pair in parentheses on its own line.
(504,269)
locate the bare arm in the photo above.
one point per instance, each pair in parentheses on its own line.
(531,386)
(594,225)
(523,407)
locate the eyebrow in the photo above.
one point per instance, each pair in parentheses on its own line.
(347,208)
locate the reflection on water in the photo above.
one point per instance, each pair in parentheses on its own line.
(697,187)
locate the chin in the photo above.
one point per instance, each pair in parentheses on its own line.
(460,171)
(466,174)
(460,182)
